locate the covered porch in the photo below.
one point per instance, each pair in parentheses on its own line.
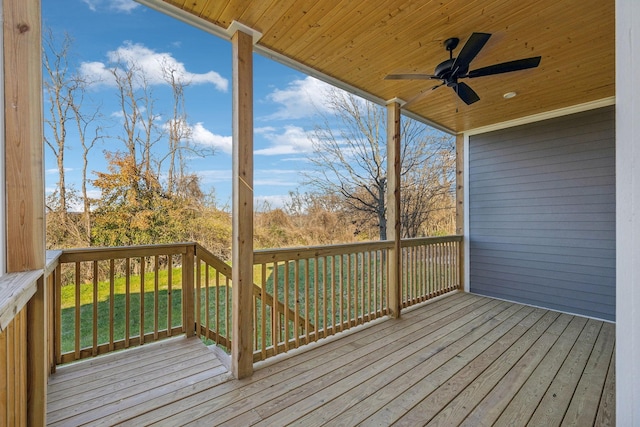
(459,360)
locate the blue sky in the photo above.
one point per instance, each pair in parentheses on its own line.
(285,101)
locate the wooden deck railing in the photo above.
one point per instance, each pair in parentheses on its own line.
(327,289)
(430,267)
(113,298)
(107,299)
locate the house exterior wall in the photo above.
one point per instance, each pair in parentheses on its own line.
(542,213)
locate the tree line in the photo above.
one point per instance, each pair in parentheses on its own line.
(149,195)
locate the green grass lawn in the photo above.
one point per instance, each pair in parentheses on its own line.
(120,305)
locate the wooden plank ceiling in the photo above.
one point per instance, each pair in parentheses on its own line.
(359,42)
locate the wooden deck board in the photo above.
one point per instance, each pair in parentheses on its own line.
(555,402)
(373,394)
(584,405)
(396,356)
(460,360)
(495,402)
(105,381)
(259,391)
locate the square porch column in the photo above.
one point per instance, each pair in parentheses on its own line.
(242,213)
(394,280)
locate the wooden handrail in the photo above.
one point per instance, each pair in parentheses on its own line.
(305,252)
(106,253)
(421,241)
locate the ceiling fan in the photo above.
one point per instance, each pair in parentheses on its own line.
(449,71)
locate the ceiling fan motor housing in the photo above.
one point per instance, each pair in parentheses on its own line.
(444,70)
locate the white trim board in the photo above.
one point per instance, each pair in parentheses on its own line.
(465,197)
(627,213)
(605,102)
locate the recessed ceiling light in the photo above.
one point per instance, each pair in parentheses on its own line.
(509,95)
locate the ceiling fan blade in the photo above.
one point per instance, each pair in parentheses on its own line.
(505,67)
(409,77)
(467,94)
(469,51)
(421,95)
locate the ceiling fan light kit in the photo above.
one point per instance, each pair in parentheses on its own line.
(453,69)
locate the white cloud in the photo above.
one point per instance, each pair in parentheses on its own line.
(215,175)
(55,170)
(77,205)
(92,4)
(97,72)
(274,177)
(201,135)
(125,6)
(301,98)
(152,64)
(294,140)
(262,203)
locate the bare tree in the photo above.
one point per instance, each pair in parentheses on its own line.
(179,137)
(349,159)
(66,93)
(58,87)
(140,126)
(88,134)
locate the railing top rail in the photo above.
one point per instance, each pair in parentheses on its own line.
(118,252)
(260,256)
(212,260)
(304,252)
(419,241)
(51,261)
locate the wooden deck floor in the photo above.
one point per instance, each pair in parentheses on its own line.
(461,360)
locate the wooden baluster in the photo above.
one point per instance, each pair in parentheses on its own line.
(325,300)
(188,322)
(285,283)
(156,301)
(112,298)
(198,297)
(217,307)
(169,294)
(143,262)
(307,315)
(58,314)
(77,312)
(263,319)
(296,304)
(94,349)
(127,302)
(206,301)
(275,329)
(316,300)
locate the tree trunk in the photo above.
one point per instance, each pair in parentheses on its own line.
(382,218)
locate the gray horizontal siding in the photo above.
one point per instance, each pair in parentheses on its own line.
(542,213)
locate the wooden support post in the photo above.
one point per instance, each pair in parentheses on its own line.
(37,358)
(24,182)
(188,319)
(394,281)
(24,197)
(242,243)
(460,205)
